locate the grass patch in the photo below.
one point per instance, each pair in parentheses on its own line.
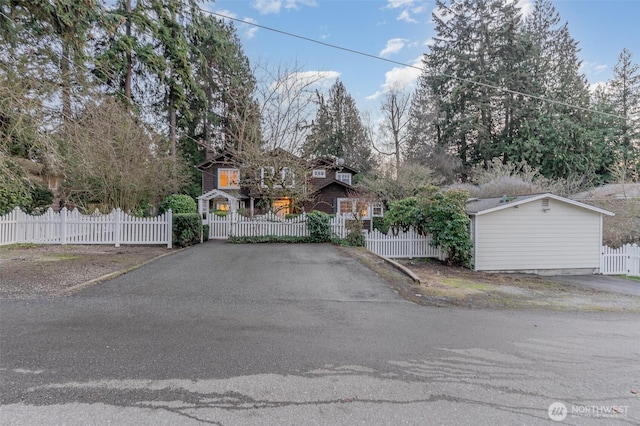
(17,246)
(628,277)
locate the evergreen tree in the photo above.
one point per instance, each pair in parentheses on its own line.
(338,130)
(555,136)
(478,47)
(625,100)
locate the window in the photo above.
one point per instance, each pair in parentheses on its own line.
(282,207)
(377,210)
(268,176)
(350,206)
(222,206)
(344,177)
(320,173)
(228,179)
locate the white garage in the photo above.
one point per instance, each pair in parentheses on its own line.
(542,234)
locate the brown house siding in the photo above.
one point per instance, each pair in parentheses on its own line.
(325,200)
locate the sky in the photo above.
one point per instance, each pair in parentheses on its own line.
(400,31)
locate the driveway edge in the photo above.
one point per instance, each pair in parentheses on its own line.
(111,275)
(400,267)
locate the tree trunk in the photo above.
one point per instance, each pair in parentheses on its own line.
(127,80)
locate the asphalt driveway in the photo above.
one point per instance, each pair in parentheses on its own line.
(608,283)
(300,334)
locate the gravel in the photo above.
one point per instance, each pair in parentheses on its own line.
(28,271)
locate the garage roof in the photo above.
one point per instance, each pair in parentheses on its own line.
(480,206)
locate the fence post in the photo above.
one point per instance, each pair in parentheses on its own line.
(169,219)
(63,226)
(116,231)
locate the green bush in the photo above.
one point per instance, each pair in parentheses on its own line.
(381,225)
(178,203)
(186,229)
(41,197)
(319,225)
(355,237)
(440,214)
(205,233)
(14,192)
(269,239)
(221,213)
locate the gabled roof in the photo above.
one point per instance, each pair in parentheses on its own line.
(229,195)
(331,182)
(478,206)
(330,163)
(223,157)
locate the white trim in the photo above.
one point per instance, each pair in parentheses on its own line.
(354,205)
(539,197)
(319,173)
(341,177)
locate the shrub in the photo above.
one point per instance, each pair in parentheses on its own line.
(205,233)
(186,229)
(355,237)
(269,239)
(178,203)
(319,225)
(440,214)
(41,196)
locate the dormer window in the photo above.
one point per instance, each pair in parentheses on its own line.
(344,177)
(228,179)
(319,173)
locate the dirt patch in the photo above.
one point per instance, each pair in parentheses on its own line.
(45,270)
(442,285)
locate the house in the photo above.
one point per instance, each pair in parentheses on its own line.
(542,234)
(283,183)
(332,192)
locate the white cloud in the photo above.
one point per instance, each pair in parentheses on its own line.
(393,46)
(293,4)
(408,9)
(249,30)
(266,7)
(400,78)
(227,13)
(394,4)
(406,16)
(593,68)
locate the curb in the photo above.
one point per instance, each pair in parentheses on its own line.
(82,286)
(400,267)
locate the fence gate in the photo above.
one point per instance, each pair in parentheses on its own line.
(624,260)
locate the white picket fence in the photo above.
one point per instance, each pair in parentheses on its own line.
(624,260)
(403,245)
(408,244)
(236,225)
(71,227)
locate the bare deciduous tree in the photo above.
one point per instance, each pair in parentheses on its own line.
(113,161)
(394,124)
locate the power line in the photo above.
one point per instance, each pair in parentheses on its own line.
(380,58)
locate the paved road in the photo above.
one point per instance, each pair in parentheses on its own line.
(295,335)
(606,283)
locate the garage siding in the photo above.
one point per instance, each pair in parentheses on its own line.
(529,238)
